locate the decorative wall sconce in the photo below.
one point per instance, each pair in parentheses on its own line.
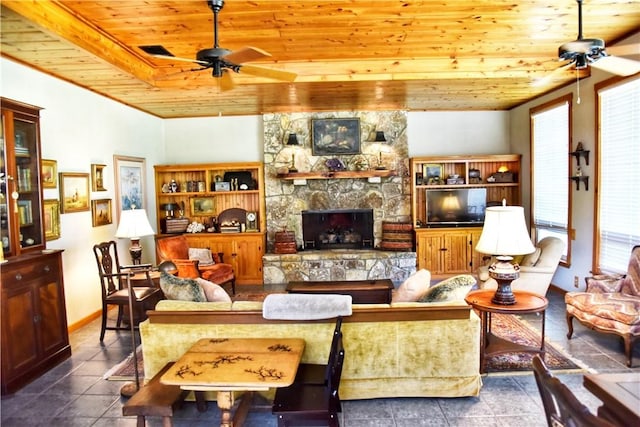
(292,140)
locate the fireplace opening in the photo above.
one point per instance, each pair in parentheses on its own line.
(338,229)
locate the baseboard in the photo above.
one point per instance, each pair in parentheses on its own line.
(84,321)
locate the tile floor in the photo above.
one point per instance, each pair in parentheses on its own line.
(75,394)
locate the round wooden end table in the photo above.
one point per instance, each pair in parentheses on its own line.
(491,345)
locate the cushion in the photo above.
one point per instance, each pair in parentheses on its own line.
(305,306)
(452,289)
(202,255)
(413,288)
(213,292)
(182,289)
(531,259)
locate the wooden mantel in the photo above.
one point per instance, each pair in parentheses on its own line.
(383,173)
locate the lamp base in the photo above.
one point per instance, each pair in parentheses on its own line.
(135,250)
(504,272)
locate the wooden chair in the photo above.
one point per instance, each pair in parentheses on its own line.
(176,250)
(311,373)
(561,407)
(114,291)
(312,404)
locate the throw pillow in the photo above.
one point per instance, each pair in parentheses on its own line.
(178,288)
(451,289)
(413,288)
(213,292)
(202,255)
(531,259)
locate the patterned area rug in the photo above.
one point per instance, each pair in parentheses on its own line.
(123,371)
(517,330)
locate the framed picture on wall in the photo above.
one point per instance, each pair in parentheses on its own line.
(51,219)
(97,177)
(101,212)
(74,192)
(335,136)
(130,183)
(49,173)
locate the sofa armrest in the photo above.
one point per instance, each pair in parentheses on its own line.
(604,283)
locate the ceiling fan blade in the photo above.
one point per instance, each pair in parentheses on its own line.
(246,54)
(632,49)
(617,65)
(158,51)
(552,75)
(268,73)
(226,81)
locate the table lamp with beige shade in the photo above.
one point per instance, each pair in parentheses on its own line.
(505,235)
(133,225)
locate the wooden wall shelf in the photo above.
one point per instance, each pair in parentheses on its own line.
(338,174)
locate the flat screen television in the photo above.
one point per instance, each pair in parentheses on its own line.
(450,207)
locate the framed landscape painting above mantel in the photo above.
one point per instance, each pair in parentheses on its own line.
(335,136)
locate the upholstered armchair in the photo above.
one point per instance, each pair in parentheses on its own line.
(610,304)
(195,262)
(536,269)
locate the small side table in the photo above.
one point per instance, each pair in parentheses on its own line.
(140,279)
(491,345)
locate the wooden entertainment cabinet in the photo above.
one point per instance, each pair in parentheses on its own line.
(203,193)
(449,249)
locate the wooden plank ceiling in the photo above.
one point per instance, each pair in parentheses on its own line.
(348,55)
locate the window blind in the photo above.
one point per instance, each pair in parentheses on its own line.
(619,175)
(550,146)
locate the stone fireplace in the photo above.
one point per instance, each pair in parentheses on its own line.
(337,229)
(326,255)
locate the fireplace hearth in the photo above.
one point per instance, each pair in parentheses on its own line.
(337,229)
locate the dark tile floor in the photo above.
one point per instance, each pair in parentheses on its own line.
(75,394)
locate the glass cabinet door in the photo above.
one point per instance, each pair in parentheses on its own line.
(20,188)
(5,231)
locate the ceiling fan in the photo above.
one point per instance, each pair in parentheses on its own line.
(582,53)
(222,61)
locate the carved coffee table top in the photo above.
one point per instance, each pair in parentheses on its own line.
(237,364)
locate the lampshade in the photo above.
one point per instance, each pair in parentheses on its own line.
(505,232)
(292,139)
(380,137)
(134,224)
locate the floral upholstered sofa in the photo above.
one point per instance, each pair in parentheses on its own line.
(402,349)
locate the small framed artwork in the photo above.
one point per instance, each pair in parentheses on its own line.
(335,136)
(130,184)
(222,186)
(202,206)
(101,212)
(49,173)
(51,219)
(432,173)
(97,180)
(74,192)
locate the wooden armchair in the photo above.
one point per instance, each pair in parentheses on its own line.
(176,250)
(610,304)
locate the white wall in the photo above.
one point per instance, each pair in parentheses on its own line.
(214,139)
(78,128)
(583,130)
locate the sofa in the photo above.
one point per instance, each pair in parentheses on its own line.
(536,269)
(402,349)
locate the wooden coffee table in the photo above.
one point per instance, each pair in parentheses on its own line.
(361,291)
(620,396)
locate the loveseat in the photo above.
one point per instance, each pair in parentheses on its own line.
(404,349)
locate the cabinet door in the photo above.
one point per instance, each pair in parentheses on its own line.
(457,256)
(430,247)
(19,340)
(248,259)
(476,257)
(52,323)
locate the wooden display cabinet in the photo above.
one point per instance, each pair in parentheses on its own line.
(202,194)
(449,248)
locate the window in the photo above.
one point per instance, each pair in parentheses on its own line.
(551,198)
(618,170)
